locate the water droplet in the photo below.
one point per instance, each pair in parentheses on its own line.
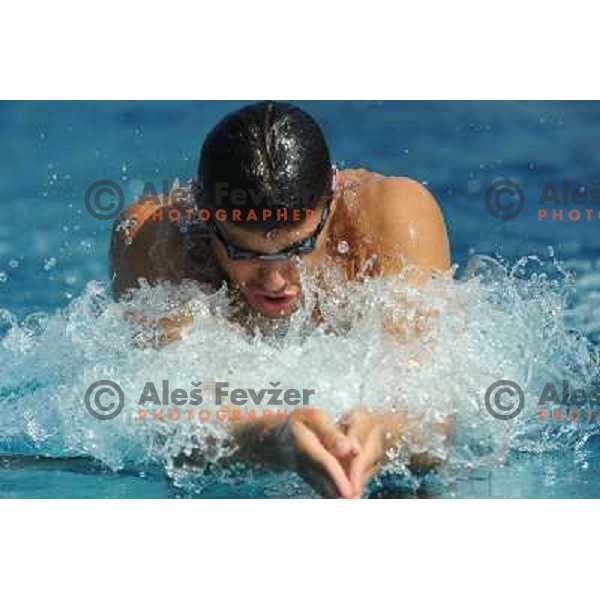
(3,277)
(49,263)
(474,186)
(343,247)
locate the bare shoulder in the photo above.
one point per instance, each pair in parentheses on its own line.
(384,198)
(406,219)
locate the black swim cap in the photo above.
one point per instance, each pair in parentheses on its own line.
(265,155)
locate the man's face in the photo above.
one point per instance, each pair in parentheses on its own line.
(271,287)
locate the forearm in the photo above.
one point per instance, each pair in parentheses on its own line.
(260,440)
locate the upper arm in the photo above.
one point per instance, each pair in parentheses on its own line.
(144,247)
(408,225)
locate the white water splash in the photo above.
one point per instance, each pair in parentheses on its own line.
(499,322)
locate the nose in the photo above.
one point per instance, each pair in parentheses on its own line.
(273,279)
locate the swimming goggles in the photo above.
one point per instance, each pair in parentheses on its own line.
(302,247)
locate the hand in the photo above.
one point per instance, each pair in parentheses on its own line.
(319,451)
(374,433)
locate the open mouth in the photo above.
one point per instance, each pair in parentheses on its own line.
(275,303)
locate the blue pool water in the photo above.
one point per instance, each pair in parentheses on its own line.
(53,272)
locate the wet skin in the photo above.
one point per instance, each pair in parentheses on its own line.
(388,224)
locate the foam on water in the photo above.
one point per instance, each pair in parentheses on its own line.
(497,321)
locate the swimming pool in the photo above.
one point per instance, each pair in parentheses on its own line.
(59,328)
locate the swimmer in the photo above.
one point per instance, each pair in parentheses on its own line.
(267,198)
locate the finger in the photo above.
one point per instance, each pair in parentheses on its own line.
(309,445)
(367,476)
(367,461)
(331,436)
(312,450)
(357,427)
